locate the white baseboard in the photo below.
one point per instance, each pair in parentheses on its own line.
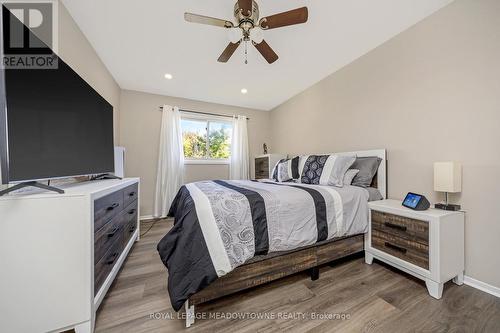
(146,217)
(487,288)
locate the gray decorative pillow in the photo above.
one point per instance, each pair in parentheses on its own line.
(349,176)
(275,169)
(367,167)
(374,194)
(286,170)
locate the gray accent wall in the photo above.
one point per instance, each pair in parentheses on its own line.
(430,94)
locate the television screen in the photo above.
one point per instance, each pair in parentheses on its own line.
(56,125)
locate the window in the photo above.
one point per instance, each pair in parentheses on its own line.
(206,140)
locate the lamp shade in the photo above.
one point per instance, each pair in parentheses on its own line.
(448,177)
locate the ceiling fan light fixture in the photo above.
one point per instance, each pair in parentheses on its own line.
(168,76)
(257,35)
(250,27)
(244,91)
(234,35)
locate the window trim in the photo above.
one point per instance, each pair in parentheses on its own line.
(208,119)
(209,161)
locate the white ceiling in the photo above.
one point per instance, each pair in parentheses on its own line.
(140,41)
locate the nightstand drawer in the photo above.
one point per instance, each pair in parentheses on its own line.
(262,168)
(404,227)
(410,251)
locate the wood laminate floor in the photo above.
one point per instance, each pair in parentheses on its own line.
(372,298)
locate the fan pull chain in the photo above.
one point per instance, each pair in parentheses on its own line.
(246,52)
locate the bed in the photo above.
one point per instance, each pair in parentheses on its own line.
(229,236)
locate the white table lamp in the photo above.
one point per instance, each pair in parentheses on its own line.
(447,179)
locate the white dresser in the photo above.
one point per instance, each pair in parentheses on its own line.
(59,253)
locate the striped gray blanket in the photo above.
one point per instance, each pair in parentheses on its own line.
(219,225)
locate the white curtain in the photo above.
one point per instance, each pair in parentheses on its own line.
(240,161)
(170,173)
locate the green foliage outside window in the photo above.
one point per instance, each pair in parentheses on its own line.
(195,145)
(195,139)
(220,144)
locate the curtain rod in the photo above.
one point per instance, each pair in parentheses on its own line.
(206,113)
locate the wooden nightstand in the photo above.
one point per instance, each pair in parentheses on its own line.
(427,244)
(264,165)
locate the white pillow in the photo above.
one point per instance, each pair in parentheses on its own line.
(284,173)
(349,176)
(341,163)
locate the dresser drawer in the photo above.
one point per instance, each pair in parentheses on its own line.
(104,266)
(105,237)
(262,168)
(130,212)
(404,227)
(107,208)
(130,222)
(407,250)
(130,194)
(262,176)
(128,232)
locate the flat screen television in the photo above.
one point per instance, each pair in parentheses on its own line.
(53,124)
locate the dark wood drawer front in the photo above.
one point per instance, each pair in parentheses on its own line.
(106,236)
(104,266)
(130,194)
(262,168)
(130,222)
(115,221)
(404,227)
(130,212)
(412,252)
(107,208)
(128,232)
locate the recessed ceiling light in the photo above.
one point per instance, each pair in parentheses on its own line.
(244,91)
(168,76)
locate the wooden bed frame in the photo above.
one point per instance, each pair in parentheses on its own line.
(278,266)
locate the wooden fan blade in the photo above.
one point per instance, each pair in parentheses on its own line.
(245,6)
(291,17)
(228,52)
(266,51)
(195,18)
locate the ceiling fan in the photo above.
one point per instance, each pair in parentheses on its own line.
(246,13)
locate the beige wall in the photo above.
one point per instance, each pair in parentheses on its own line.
(430,94)
(77,52)
(194,173)
(140,121)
